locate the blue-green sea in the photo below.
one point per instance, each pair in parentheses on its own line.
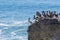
(14,16)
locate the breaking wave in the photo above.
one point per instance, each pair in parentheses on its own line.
(8,33)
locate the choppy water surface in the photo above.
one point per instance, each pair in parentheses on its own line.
(14,15)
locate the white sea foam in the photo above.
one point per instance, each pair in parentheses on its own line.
(3,24)
(13,23)
(19,37)
(3,37)
(13,33)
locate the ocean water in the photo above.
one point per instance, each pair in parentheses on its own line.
(14,16)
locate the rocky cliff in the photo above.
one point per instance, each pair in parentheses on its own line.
(44,30)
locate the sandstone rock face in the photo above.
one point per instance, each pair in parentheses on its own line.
(44,30)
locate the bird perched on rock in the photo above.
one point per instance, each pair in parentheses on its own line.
(38,16)
(30,22)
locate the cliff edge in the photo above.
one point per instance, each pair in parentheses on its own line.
(47,29)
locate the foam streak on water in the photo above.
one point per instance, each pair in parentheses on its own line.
(13,30)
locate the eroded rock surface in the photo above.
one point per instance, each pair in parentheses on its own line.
(44,30)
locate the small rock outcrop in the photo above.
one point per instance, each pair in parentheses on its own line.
(45,28)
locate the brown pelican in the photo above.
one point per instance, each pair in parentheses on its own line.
(56,15)
(38,16)
(29,21)
(51,15)
(33,16)
(43,13)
